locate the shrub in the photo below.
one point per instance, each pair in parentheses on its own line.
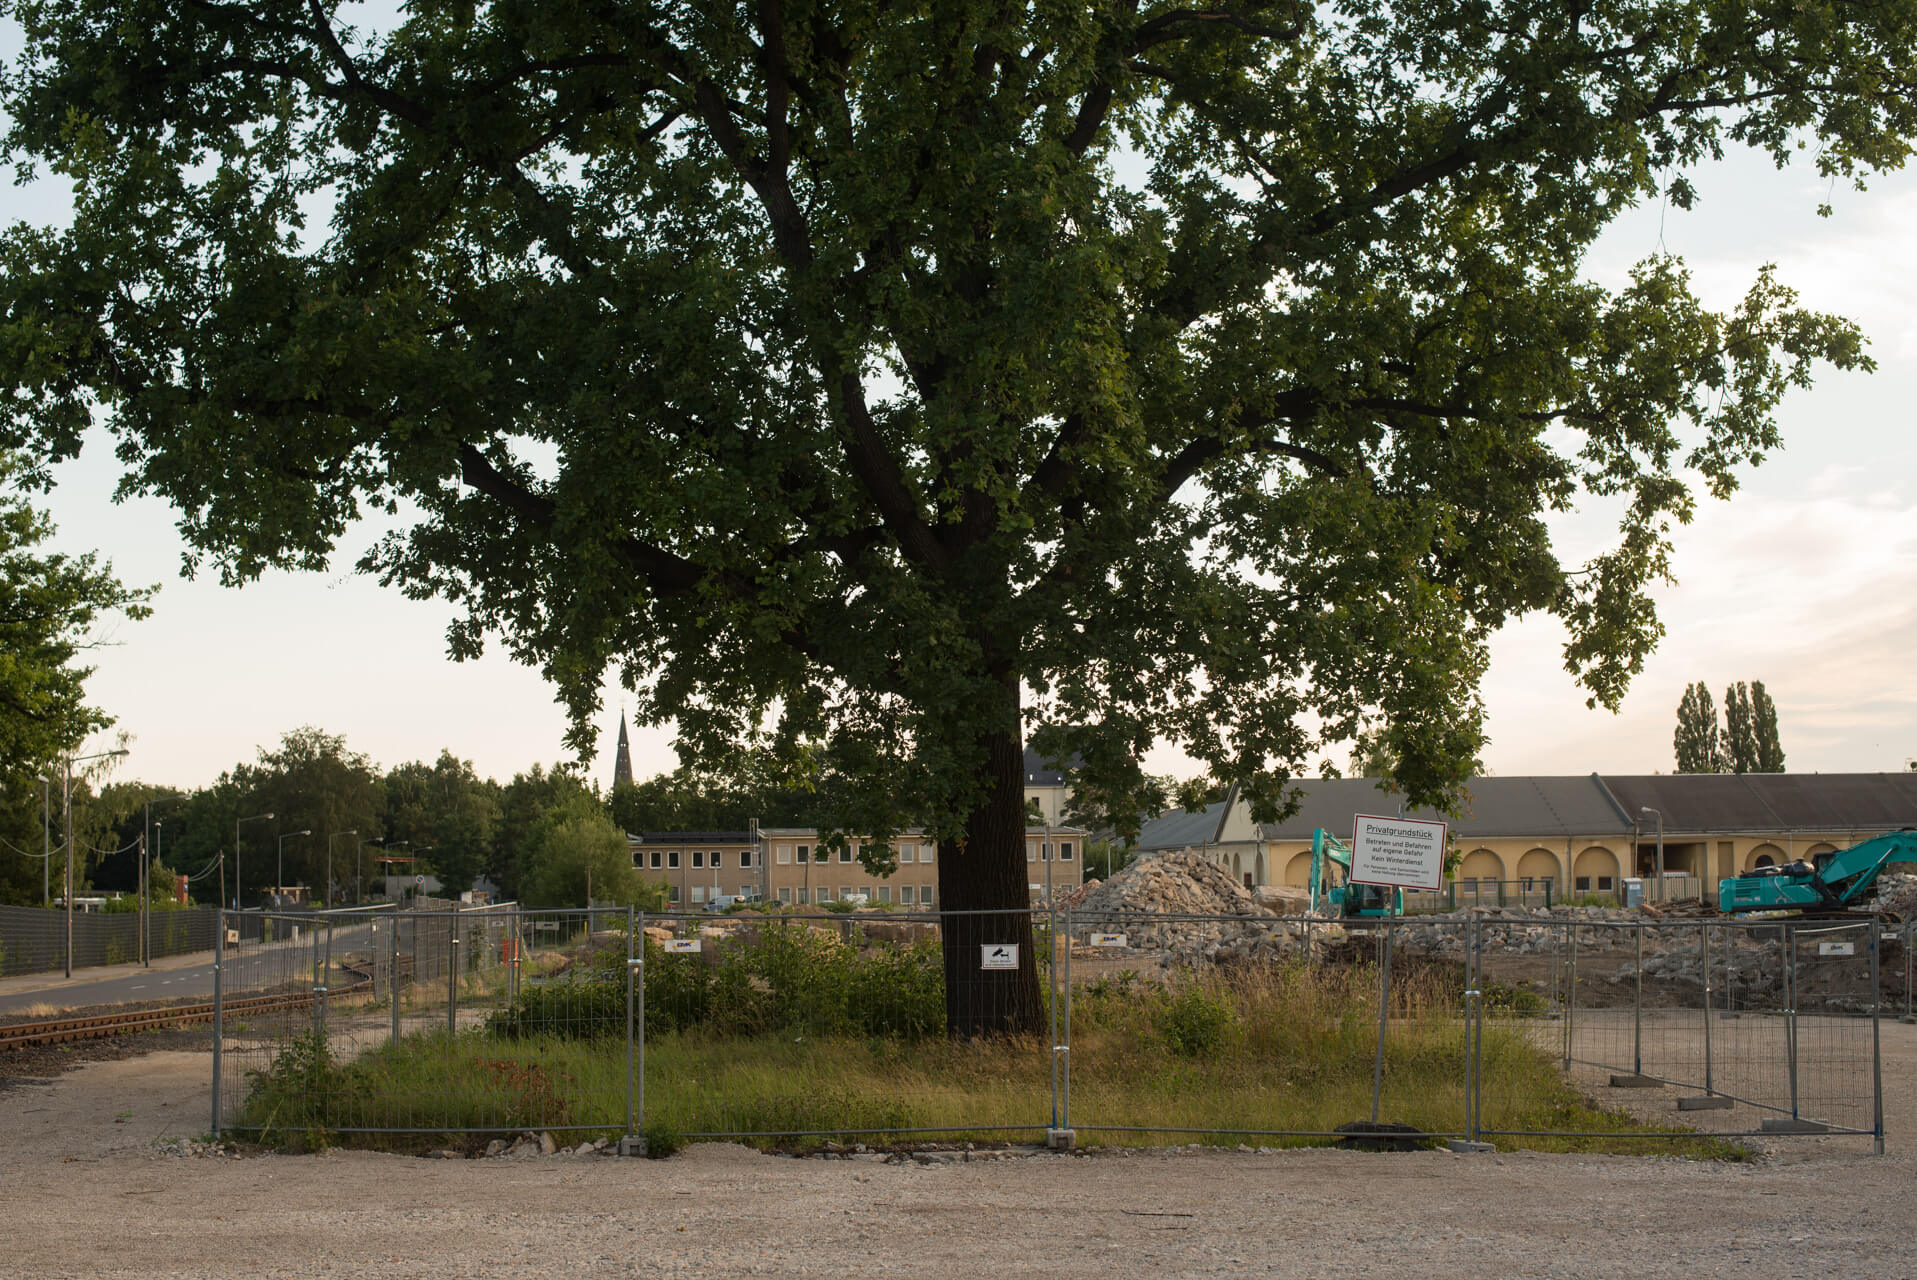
(1195,1023)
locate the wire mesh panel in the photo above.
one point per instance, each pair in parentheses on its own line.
(1718,1025)
(837,1024)
(1253,1026)
(34,939)
(437,1022)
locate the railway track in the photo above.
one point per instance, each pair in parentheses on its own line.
(23,1035)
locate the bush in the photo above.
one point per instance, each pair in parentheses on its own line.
(1195,1023)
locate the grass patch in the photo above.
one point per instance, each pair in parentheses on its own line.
(796,1035)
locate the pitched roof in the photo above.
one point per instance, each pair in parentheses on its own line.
(1176,828)
(1519,806)
(1771,801)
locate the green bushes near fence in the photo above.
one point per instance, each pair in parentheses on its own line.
(793,1034)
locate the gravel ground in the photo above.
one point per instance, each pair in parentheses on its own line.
(90,1189)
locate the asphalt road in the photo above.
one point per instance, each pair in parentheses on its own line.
(253,967)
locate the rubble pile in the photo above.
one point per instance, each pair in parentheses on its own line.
(1171,884)
(1897,895)
(1183,884)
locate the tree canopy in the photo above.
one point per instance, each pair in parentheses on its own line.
(915,383)
(1696,739)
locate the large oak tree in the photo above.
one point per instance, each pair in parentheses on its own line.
(911,382)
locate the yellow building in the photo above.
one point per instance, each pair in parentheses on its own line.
(789,865)
(1516,835)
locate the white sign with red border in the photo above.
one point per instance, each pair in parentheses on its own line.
(1407,853)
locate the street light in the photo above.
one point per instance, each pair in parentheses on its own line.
(258,817)
(329,862)
(1660,847)
(66,812)
(46,842)
(387,845)
(279,870)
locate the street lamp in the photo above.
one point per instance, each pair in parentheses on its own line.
(387,845)
(46,842)
(1660,847)
(329,862)
(237,895)
(279,870)
(66,812)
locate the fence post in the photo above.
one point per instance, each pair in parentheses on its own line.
(1571,997)
(1637,1011)
(395,968)
(1473,1022)
(1065,1045)
(219,1009)
(1876,1044)
(452,970)
(1384,1004)
(632,1085)
(1051,944)
(1790,1008)
(1705,947)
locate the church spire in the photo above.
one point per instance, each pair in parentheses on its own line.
(622,763)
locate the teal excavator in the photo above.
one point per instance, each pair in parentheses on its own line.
(1333,888)
(1832,883)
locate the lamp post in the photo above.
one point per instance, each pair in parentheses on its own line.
(237,895)
(66,814)
(387,845)
(46,842)
(329,862)
(279,869)
(1660,847)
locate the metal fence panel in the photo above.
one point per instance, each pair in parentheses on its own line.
(34,939)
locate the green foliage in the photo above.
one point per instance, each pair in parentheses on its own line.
(290,1096)
(577,850)
(1696,739)
(841,377)
(1195,1023)
(1739,753)
(448,809)
(1770,750)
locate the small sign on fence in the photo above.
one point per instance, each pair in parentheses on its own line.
(1405,852)
(682,946)
(232,937)
(1836,948)
(1108,939)
(998,955)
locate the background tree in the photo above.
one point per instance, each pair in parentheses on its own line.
(577,848)
(1770,749)
(448,808)
(828,371)
(1738,747)
(310,782)
(524,805)
(1696,740)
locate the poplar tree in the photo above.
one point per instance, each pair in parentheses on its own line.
(1739,747)
(1770,751)
(1696,740)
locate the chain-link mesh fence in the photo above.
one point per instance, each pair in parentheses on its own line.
(34,939)
(878,1025)
(1721,1026)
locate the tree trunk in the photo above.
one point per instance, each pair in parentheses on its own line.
(985,904)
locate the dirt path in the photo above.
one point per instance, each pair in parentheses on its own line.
(86,1191)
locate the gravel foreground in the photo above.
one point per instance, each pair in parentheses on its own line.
(88,1188)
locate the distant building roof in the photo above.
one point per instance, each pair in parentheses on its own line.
(1591,805)
(1038,774)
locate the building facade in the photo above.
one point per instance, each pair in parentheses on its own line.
(1578,834)
(791,865)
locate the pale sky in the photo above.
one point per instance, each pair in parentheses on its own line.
(1806,580)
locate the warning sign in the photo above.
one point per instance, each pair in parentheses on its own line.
(1405,852)
(998,955)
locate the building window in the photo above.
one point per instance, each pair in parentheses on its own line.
(885,893)
(698,857)
(745,858)
(672,858)
(805,852)
(783,852)
(655,859)
(785,896)
(672,893)
(865,891)
(1065,851)
(698,893)
(1583,884)
(717,860)
(1604,884)
(802,891)
(925,853)
(908,853)
(906,895)
(638,859)
(845,891)
(925,895)
(745,891)
(825,894)
(845,854)
(1031,852)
